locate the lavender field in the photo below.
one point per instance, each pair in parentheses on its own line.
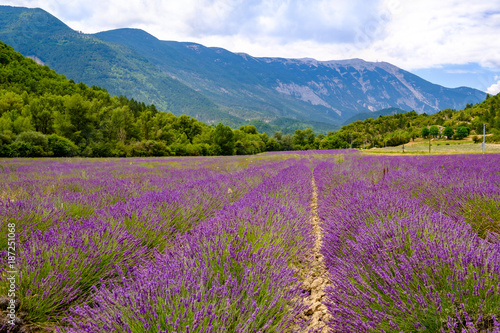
(269,243)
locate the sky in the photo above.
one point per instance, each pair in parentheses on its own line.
(448,42)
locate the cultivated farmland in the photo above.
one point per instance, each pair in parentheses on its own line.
(280,242)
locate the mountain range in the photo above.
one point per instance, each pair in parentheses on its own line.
(215,85)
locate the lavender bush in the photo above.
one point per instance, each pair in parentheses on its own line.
(231,273)
(92,233)
(401,254)
(411,244)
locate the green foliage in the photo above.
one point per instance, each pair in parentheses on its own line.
(284,141)
(188,126)
(434,131)
(249,129)
(333,142)
(5,150)
(272,145)
(30,144)
(396,139)
(223,136)
(425,132)
(61,147)
(34,138)
(461,132)
(44,114)
(22,149)
(448,132)
(304,139)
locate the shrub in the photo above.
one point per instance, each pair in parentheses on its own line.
(495,138)
(332,142)
(102,149)
(6,137)
(121,150)
(61,146)
(21,149)
(5,151)
(30,144)
(157,148)
(448,132)
(396,140)
(461,132)
(178,149)
(35,138)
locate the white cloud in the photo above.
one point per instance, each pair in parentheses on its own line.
(460,71)
(427,33)
(495,87)
(283,21)
(409,34)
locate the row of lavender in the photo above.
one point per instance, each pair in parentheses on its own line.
(212,245)
(205,245)
(412,243)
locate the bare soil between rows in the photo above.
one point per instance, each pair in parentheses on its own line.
(316,278)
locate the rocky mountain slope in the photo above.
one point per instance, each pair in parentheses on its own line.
(329,88)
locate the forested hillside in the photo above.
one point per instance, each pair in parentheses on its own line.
(393,130)
(44,114)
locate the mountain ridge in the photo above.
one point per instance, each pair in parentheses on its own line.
(214,84)
(356,64)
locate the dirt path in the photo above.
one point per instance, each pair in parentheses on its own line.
(315,281)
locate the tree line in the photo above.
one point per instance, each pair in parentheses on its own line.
(44,114)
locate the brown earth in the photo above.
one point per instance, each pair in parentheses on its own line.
(316,278)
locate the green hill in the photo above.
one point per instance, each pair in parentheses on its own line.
(392,130)
(44,114)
